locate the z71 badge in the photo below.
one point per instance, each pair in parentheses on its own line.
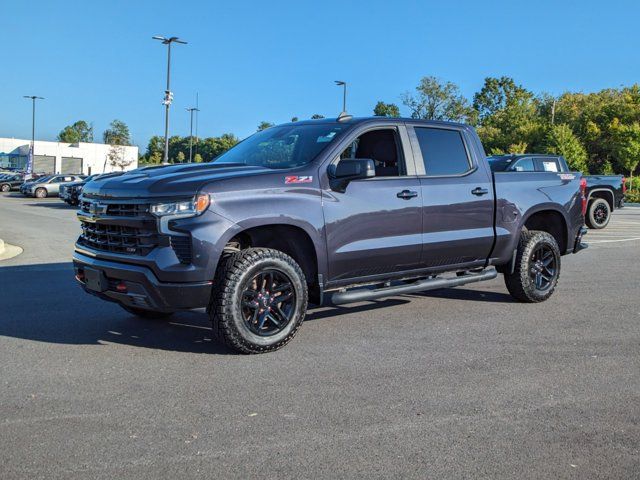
(297,179)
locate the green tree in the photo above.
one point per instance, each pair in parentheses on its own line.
(386,110)
(316,116)
(80,131)
(437,100)
(181,157)
(497,94)
(264,125)
(117,134)
(560,140)
(197,158)
(626,146)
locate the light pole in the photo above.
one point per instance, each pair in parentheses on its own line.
(191,110)
(168,95)
(344,94)
(33,131)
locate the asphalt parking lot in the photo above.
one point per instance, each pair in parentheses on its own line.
(460,383)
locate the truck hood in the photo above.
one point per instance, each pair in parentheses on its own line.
(167,180)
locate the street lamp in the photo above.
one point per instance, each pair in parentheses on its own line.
(344,94)
(191,110)
(168,95)
(33,131)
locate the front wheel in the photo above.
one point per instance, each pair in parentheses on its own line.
(41,193)
(5,188)
(537,268)
(598,214)
(259,300)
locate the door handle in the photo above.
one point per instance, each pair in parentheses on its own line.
(407,194)
(479,191)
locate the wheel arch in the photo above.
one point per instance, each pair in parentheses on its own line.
(604,193)
(550,220)
(298,241)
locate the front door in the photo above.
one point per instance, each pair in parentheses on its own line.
(375,226)
(457,198)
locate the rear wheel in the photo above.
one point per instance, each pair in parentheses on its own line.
(41,193)
(537,268)
(259,300)
(598,214)
(141,312)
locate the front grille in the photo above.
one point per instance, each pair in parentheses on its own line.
(118,238)
(127,228)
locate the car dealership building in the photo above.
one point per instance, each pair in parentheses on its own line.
(57,157)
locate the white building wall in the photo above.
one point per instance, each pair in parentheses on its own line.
(93,155)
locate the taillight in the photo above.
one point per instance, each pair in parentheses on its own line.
(583,191)
(624,185)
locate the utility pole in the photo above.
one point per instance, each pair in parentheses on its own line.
(168,94)
(33,132)
(344,94)
(191,110)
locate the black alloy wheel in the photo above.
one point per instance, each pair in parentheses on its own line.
(600,214)
(268,302)
(542,267)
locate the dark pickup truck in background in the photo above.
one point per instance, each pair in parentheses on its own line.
(336,210)
(605,193)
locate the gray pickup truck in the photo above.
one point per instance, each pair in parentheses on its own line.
(326,211)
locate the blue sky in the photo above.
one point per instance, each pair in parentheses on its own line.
(271,60)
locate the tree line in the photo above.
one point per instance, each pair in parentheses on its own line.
(598,133)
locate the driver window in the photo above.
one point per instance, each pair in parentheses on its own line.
(381,146)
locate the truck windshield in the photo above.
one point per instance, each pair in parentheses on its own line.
(286,146)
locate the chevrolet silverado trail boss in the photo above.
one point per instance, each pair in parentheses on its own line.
(340,210)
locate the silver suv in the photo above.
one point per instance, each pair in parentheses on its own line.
(51,186)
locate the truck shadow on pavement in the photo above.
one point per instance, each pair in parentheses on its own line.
(43,303)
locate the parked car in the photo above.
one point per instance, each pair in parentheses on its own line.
(604,192)
(70,192)
(27,184)
(343,209)
(10,182)
(50,185)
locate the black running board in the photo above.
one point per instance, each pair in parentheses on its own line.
(362,294)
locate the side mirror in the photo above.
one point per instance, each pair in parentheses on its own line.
(349,169)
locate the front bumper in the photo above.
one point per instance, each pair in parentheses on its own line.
(136,286)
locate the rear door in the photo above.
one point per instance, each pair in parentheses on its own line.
(457,197)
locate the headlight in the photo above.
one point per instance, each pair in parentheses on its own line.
(185,208)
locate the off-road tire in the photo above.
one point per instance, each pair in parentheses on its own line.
(519,283)
(40,193)
(225,308)
(594,206)
(142,313)
(5,187)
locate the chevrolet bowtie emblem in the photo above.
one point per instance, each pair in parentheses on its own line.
(97,209)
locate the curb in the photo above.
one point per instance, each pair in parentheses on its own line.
(8,251)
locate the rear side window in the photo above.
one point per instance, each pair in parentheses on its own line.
(524,165)
(443,151)
(546,164)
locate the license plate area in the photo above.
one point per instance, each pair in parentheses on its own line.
(95,280)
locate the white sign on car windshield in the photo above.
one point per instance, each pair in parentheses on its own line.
(550,166)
